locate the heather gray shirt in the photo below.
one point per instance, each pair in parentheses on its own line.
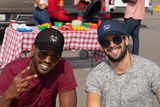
(134,88)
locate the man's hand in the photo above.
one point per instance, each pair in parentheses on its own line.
(88,1)
(43,6)
(19,84)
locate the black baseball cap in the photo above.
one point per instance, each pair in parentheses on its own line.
(50,38)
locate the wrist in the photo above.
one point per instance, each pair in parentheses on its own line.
(7,97)
(5,100)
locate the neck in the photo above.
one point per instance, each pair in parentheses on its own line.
(122,66)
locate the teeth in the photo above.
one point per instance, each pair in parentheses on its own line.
(114,50)
(44,65)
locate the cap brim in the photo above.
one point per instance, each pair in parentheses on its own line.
(44,46)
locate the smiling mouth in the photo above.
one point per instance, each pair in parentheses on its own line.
(45,67)
(114,49)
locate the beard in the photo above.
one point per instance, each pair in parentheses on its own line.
(121,56)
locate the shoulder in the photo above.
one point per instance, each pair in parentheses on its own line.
(17,65)
(63,62)
(101,69)
(143,61)
(145,64)
(21,61)
(63,66)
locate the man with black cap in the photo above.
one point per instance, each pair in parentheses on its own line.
(35,81)
(124,79)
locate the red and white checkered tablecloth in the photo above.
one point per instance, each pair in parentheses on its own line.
(14,43)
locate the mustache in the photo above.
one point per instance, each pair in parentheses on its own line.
(113,48)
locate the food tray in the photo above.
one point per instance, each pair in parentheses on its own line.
(24,30)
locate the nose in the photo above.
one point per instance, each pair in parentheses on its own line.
(48,59)
(112,44)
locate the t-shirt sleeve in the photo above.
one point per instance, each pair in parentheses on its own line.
(67,79)
(6,78)
(155,79)
(93,84)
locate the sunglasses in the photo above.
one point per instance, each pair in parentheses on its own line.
(43,54)
(116,40)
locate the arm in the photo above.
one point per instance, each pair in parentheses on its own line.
(93,100)
(18,86)
(41,6)
(76,2)
(157,92)
(131,1)
(68,99)
(4,101)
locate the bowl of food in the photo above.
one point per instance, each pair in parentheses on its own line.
(64,27)
(58,24)
(85,24)
(93,26)
(68,24)
(41,27)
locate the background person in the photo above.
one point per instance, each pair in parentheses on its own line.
(40,12)
(35,81)
(124,79)
(135,12)
(82,4)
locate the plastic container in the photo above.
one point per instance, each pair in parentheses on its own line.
(99,22)
(68,24)
(24,30)
(58,24)
(93,26)
(80,18)
(86,24)
(12,21)
(42,27)
(76,23)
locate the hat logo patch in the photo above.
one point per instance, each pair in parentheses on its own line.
(53,38)
(106,27)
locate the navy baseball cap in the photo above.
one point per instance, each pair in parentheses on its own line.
(109,27)
(50,38)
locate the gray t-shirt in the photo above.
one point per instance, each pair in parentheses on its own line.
(133,88)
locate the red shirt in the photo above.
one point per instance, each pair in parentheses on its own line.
(82,5)
(43,90)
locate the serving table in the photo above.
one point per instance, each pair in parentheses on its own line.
(15,43)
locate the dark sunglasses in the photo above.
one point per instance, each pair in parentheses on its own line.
(43,54)
(116,40)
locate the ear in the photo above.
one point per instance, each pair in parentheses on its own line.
(126,40)
(33,50)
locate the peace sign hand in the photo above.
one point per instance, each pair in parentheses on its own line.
(19,84)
